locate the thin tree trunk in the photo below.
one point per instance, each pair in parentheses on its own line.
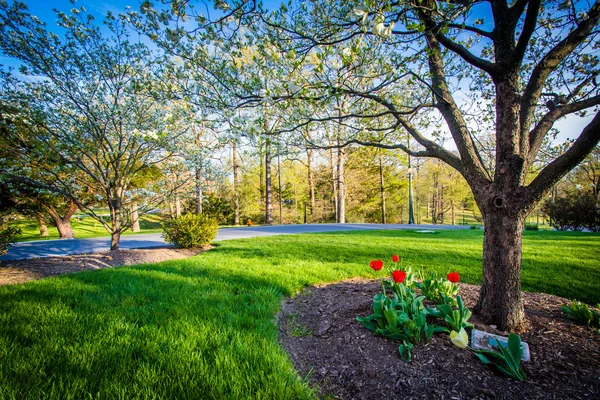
(279,188)
(261,171)
(268,185)
(198,191)
(171,210)
(382,188)
(311,182)
(135,218)
(333,183)
(341,186)
(177,206)
(236,196)
(42,223)
(500,295)
(115,206)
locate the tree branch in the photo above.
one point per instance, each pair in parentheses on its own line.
(553,172)
(550,61)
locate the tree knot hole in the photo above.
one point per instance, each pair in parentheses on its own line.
(499,202)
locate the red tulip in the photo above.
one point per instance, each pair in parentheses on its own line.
(399,276)
(376,264)
(395,258)
(453,277)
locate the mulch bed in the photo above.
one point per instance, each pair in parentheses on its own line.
(20,271)
(344,360)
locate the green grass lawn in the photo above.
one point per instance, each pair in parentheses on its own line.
(85,227)
(204,327)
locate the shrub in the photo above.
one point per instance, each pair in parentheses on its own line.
(574,211)
(7,237)
(532,227)
(190,230)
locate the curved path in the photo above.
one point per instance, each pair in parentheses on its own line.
(53,248)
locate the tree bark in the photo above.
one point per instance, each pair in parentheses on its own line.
(382,189)
(177,206)
(43,226)
(236,196)
(63,224)
(279,188)
(341,186)
(268,185)
(198,191)
(135,218)
(500,296)
(311,182)
(115,205)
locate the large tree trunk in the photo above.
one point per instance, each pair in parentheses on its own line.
(500,296)
(63,224)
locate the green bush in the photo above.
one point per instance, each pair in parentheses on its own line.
(7,237)
(190,230)
(532,227)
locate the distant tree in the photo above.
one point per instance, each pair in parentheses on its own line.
(85,97)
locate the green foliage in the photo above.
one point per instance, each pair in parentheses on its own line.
(439,290)
(190,230)
(8,236)
(580,312)
(532,227)
(455,318)
(401,318)
(219,208)
(507,360)
(575,211)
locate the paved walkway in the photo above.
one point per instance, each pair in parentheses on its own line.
(53,248)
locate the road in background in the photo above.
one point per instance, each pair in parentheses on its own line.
(63,247)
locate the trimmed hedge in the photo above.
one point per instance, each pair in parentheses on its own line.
(190,230)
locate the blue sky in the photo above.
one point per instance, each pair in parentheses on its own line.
(569,127)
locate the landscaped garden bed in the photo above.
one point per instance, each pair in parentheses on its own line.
(342,358)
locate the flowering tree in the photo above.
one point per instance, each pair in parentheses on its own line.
(487,78)
(512,73)
(85,98)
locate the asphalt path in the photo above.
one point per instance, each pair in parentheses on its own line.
(63,247)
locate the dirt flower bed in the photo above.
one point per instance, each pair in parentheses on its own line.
(19,271)
(344,360)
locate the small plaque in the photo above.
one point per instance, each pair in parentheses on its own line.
(481,340)
(426,231)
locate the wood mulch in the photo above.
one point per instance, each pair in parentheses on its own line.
(343,360)
(20,271)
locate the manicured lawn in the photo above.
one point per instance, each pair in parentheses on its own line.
(204,327)
(84,227)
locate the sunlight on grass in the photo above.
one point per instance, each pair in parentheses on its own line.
(204,327)
(86,227)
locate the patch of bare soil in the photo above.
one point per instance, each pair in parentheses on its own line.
(344,360)
(19,271)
